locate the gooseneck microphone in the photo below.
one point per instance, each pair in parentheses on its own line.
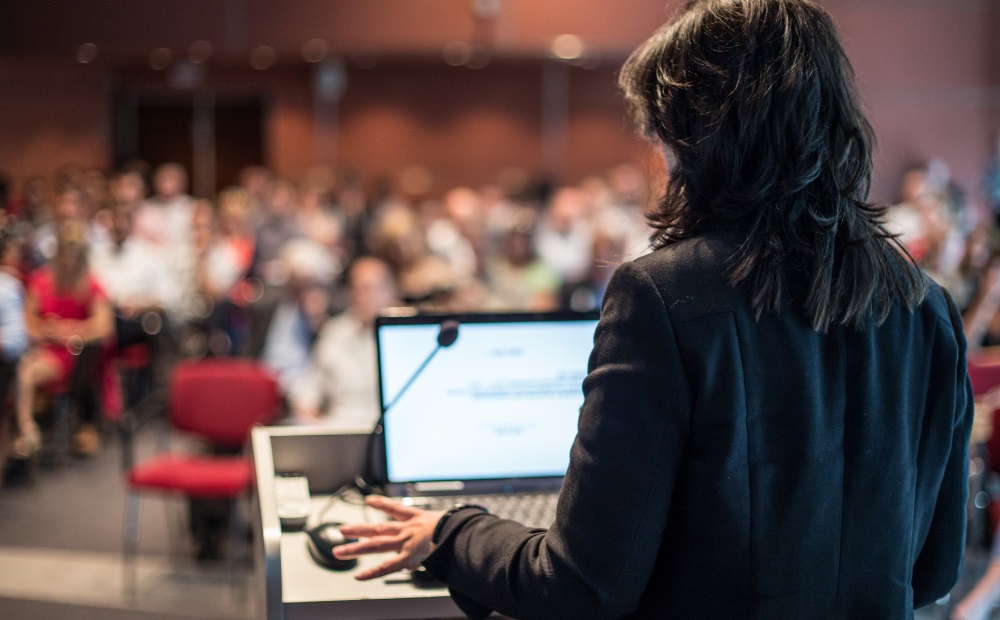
(447,335)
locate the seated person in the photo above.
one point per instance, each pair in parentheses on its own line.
(315,217)
(224,248)
(13,337)
(132,272)
(278,227)
(304,301)
(564,238)
(42,245)
(341,386)
(205,275)
(233,230)
(518,279)
(165,218)
(65,309)
(423,277)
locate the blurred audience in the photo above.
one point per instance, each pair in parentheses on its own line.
(399,240)
(133,274)
(278,226)
(259,270)
(44,238)
(33,208)
(300,310)
(128,190)
(517,276)
(65,309)
(340,386)
(234,229)
(316,219)
(565,237)
(13,334)
(293,275)
(216,262)
(165,218)
(455,235)
(256,181)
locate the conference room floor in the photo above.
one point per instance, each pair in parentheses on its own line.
(60,550)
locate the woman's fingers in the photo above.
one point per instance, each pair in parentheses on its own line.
(365,530)
(397,563)
(391,507)
(406,535)
(378,544)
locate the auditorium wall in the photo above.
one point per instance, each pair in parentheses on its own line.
(51,114)
(929,69)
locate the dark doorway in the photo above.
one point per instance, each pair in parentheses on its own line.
(213,137)
(165,133)
(238,139)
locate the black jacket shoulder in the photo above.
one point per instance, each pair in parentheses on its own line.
(738,465)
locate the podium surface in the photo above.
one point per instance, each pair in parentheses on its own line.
(294,587)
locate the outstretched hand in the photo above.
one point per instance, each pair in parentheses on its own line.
(409,536)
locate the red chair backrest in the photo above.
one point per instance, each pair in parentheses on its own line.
(222,399)
(984,377)
(993,442)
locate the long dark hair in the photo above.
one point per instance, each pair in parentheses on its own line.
(758,103)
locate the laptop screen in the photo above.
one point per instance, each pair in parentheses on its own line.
(501,402)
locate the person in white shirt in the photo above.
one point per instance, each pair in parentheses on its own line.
(131,270)
(340,387)
(13,335)
(308,272)
(165,219)
(69,207)
(133,273)
(453,236)
(204,276)
(564,240)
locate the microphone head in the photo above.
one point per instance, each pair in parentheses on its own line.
(448,334)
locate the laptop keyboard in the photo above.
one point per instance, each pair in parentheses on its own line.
(530,509)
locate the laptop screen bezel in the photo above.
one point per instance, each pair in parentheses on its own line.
(395,317)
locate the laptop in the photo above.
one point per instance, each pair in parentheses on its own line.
(488,420)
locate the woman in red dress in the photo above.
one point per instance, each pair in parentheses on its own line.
(65,309)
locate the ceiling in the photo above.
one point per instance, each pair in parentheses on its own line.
(129,30)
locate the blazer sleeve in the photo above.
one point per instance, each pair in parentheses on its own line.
(596,559)
(939,561)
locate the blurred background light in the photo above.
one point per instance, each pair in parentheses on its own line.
(479,57)
(487,9)
(263,57)
(456,53)
(160,58)
(199,52)
(415,180)
(567,46)
(366,57)
(314,50)
(86,53)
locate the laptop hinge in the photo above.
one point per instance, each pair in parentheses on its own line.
(435,487)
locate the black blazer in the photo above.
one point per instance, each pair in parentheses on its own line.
(732,467)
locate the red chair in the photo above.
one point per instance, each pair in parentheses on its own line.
(218,400)
(984,373)
(993,465)
(984,376)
